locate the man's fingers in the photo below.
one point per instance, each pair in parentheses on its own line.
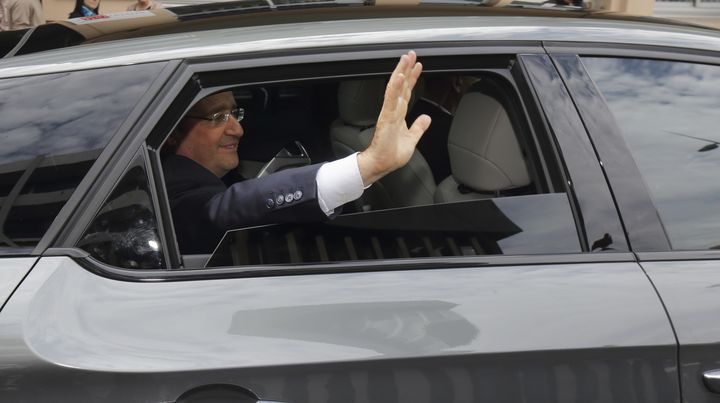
(399,88)
(419,126)
(411,80)
(402,65)
(392,92)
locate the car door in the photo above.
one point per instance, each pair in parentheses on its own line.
(553,309)
(658,132)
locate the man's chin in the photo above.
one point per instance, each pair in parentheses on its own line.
(231,165)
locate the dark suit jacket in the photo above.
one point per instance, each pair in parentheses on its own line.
(203,208)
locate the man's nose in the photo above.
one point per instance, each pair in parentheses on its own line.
(234,128)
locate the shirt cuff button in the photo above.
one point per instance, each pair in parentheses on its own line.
(298,194)
(280,200)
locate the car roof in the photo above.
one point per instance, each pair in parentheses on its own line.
(251,26)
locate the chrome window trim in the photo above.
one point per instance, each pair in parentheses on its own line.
(678,255)
(479,262)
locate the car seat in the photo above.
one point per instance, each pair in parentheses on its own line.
(485,157)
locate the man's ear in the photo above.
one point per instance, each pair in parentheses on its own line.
(176,137)
(457,84)
(172,141)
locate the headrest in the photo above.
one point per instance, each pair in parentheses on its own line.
(360,101)
(484,152)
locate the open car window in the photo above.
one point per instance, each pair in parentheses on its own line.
(473,187)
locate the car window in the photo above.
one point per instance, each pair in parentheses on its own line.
(667,112)
(53,127)
(473,187)
(124,232)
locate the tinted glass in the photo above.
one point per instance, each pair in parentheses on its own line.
(124,233)
(668,114)
(52,129)
(506,225)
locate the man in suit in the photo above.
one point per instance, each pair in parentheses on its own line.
(204,149)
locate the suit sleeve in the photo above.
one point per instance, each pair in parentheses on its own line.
(285,196)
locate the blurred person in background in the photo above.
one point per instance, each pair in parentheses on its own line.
(3,25)
(20,14)
(142,5)
(85,8)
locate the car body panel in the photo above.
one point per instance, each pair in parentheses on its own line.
(410,31)
(65,322)
(691,294)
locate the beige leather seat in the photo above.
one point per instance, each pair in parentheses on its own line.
(359,104)
(485,157)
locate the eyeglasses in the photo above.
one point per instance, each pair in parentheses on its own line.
(220,118)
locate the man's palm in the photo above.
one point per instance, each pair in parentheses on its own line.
(393,142)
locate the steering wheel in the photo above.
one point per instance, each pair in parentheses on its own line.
(290,156)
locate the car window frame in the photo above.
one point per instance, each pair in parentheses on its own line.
(191,82)
(611,146)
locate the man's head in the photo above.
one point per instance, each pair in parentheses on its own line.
(206,137)
(447,91)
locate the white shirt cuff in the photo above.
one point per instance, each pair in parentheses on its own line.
(338,182)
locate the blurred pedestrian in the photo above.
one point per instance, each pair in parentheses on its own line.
(3,25)
(21,14)
(142,5)
(85,8)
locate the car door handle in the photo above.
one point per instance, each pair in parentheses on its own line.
(712,380)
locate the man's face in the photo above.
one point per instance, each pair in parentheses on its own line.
(212,146)
(92,3)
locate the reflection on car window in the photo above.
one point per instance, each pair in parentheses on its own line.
(53,128)
(124,233)
(668,114)
(508,225)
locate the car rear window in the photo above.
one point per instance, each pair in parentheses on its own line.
(53,128)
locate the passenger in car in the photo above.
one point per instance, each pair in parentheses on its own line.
(439,100)
(203,148)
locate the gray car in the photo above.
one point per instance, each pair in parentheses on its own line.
(554,238)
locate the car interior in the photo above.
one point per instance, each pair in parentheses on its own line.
(484,145)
